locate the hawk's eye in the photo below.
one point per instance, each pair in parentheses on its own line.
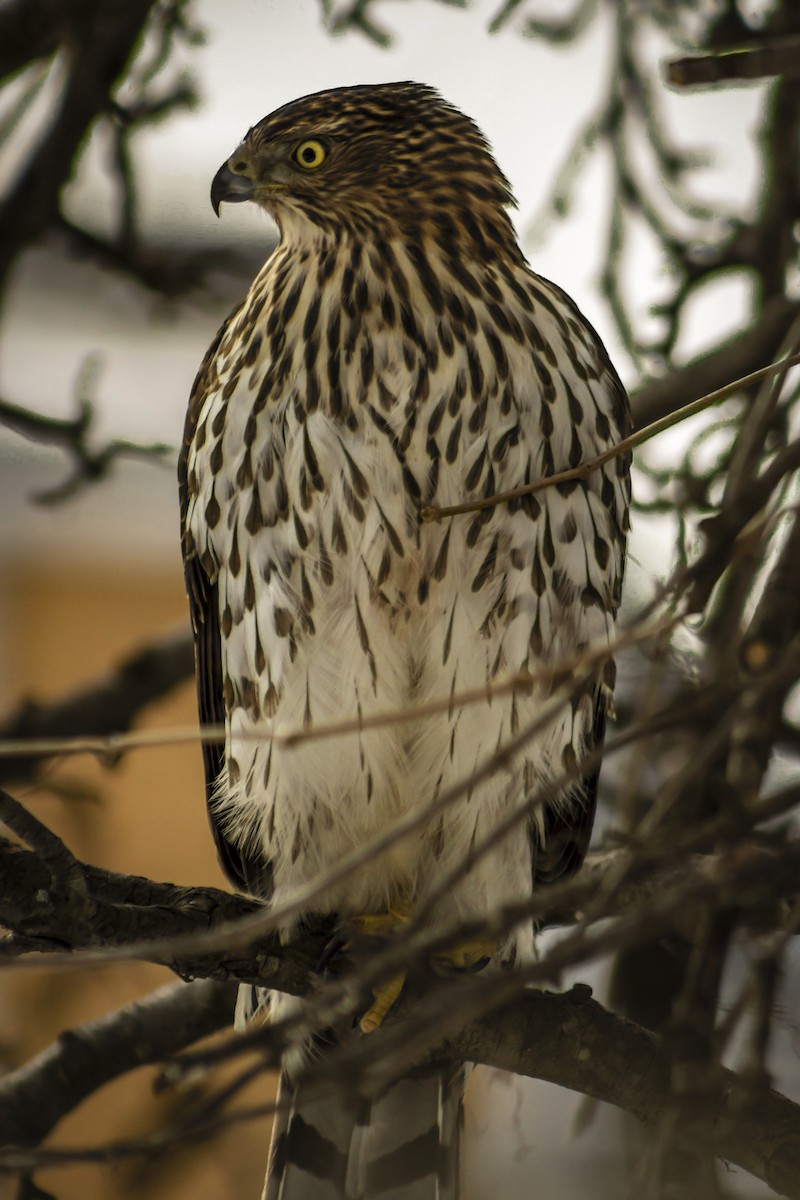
(310,154)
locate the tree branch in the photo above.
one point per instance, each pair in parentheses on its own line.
(567,1039)
(574,1042)
(99,39)
(778,57)
(71,435)
(747,352)
(108,705)
(34,1098)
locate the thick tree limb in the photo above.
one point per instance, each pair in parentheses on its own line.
(196,931)
(98,39)
(571,1040)
(34,1098)
(568,1039)
(130,911)
(574,1042)
(749,350)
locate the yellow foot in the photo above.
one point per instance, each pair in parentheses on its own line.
(472,955)
(382,925)
(385,995)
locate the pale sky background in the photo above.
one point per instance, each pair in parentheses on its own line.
(529,99)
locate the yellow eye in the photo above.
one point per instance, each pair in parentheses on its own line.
(309,155)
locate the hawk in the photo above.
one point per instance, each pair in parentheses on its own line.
(396,352)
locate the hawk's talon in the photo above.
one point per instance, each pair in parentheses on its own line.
(385,996)
(470,956)
(336,945)
(443,964)
(383,924)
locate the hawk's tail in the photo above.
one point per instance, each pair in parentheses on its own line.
(403,1145)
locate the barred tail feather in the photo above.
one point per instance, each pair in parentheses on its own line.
(310,1145)
(403,1145)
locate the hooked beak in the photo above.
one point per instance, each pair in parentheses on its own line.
(227,185)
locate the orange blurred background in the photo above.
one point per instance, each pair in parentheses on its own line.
(146,816)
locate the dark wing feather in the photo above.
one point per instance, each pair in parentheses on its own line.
(245,873)
(568,829)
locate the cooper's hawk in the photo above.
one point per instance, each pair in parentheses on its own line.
(395,351)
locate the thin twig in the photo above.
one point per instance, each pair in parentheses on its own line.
(584,470)
(115,743)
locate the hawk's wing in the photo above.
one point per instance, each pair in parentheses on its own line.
(568,828)
(201,586)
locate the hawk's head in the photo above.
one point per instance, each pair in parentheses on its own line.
(364,157)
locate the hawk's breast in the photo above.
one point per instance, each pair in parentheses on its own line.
(337,413)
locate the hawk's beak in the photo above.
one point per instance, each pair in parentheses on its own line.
(227,185)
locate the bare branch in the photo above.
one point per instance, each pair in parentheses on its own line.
(72,436)
(98,51)
(108,705)
(739,357)
(567,1039)
(780,56)
(34,1098)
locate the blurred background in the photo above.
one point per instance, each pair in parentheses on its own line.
(115,277)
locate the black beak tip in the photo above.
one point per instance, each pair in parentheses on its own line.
(228,186)
(219,188)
